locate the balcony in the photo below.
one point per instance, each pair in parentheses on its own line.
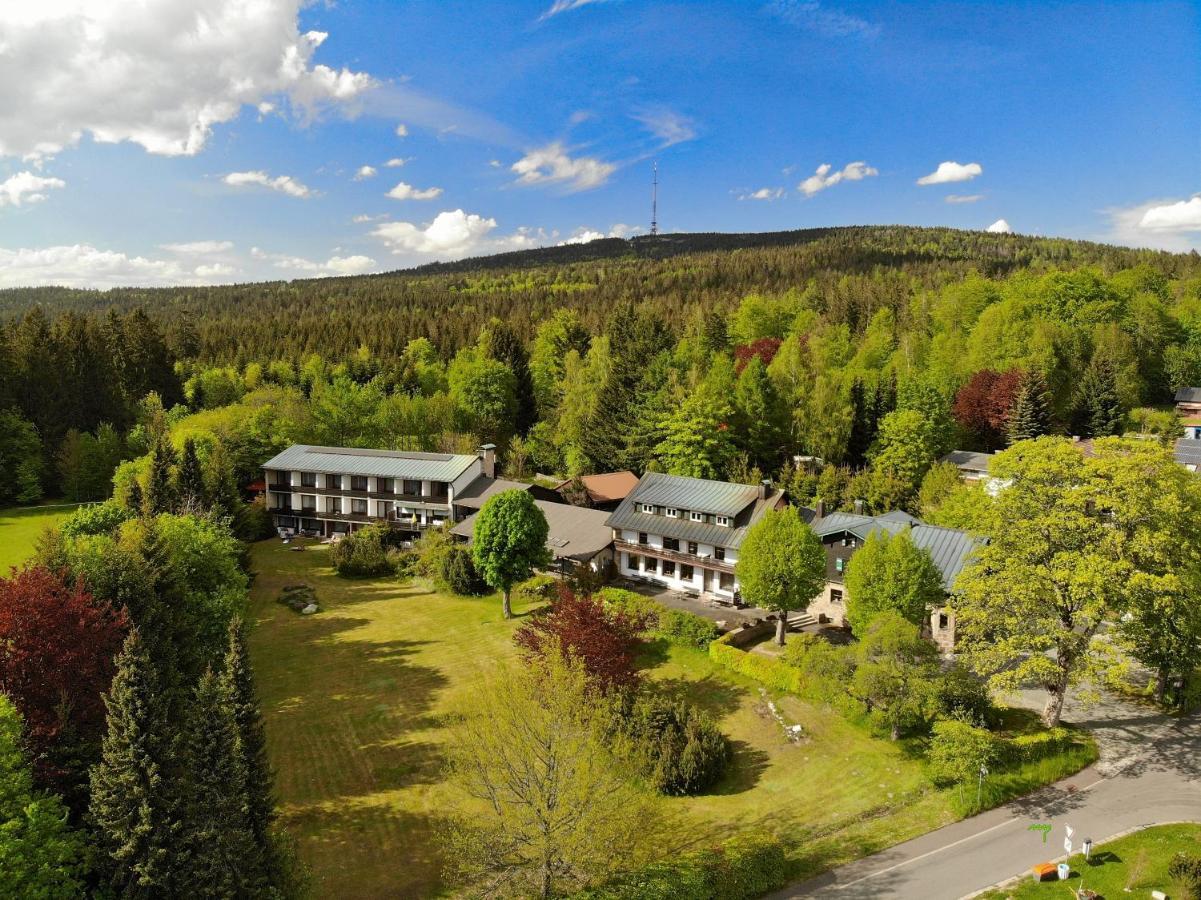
(688,559)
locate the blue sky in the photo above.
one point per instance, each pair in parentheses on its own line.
(207,141)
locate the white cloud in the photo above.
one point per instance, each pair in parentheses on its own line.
(364,172)
(1165,224)
(199,248)
(494,163)
(395,162)
(85,266)
(1000,227)
(764,193)
(948,172)
(363,217)
(300,266)
(669,126)
(25,187)
(621,230)
(1183,215)
(824,177)
(963,198)
(285,184)
(213,270)
(452,234)
(583,235)
(159,73)
(402,130)
(552,165)
(562,6)
(814,16)
(404,191)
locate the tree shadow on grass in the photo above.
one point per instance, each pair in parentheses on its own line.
(747,765)
(712,694)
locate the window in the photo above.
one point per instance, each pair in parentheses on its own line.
(697,517)
(835,596)
(333,482)
(685,573)
(726,581)
(385,485)
(669,569)
(943,621)
(693,548)
(671,544)
(650,564)
(383,508)
(358,507)
(648,508)
(412,488)
(838,564)
(308,479)
(334,505)
(633,561)
(722,520)
(719,552)
(308,503)
(671,513)
(358,482)
(642,537)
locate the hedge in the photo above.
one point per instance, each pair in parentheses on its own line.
(739,870)
(765,669)
(676,626)
(1039,745)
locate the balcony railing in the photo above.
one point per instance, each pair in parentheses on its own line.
(429,500)
(688,559)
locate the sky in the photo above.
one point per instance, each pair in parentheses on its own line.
(180,142)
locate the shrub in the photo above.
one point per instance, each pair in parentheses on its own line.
(363,553)
(676,747)
(1039,745)
(958,750)
(432,549)
(764,669)
(100,518)
(535,590)
(631,603)
(253,520)
(581,627)
(739,870)
(458,574)
(689,629)
(404,563)
(959,694)
(1185,872)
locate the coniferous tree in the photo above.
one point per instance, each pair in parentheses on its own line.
(863,425)
(759,415)
(136,501)
(160,486)
(506,347)
(220,483)
(191,480)
(133,803)
(1099,409)
(1030,415)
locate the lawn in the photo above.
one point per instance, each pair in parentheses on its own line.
(356,700)
(1136,863)
(20,528)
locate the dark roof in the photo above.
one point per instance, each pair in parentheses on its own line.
(482,488)
(575,532)
(605,487)
(1188,452)
(380,463)
(1189,395)
(950,548)
(741,502)
(968,459)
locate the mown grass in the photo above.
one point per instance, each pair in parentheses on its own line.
(357,699)
(1136,864)
(20,527)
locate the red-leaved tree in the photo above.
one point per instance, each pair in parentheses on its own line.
(764,348)
(580,626)
(982,405)
(57,645)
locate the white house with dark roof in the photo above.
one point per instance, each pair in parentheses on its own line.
(684,533)
(332,490)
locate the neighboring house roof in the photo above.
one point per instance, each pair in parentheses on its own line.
(606,487)
(575,532)
(968,460)
(380,463)
(483,488)
(1189,395)
(741,502)
(950,548)
(1188,452)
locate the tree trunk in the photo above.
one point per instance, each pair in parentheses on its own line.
(508,606)
(1161,685)
(895,734)
(781,626)
(1056,695)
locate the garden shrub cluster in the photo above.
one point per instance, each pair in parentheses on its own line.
(676,626)
(99,518)
(364,553)
(772,672)
(677,748)
(537,589)
(458,574)
(1185,872)
(738,870)
(1039,745)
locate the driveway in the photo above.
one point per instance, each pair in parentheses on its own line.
(1148,772)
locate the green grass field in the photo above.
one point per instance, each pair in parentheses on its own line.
(1135,864)
(356,699)
(20,528)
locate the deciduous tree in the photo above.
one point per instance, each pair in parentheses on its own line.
(579,626)
(890,573)
(894,673)
(509,541)
(781,565)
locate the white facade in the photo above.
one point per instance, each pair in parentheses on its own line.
(693,567)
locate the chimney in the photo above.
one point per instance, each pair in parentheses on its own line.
(487,453)
(819,510)
(858,507)
(764,488)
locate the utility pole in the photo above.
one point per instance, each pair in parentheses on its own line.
(655,200)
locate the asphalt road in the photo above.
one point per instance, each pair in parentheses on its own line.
(1149,772)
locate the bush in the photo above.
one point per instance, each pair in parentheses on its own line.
(363,553)
(100,518)
(959,694)
(958,750)
(253,520)
(764,669)
(676,747)
(535,590)
(631,603)
(739,870)
(1040,745)
(431,550)
(689,629)
(1185,872)
(404,563)
(458,574)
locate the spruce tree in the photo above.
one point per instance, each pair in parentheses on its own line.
(220,484)
(191,480)
(863,425)
(132,802)
(1030,415)
(1099,409)
(135,501)
(219,857)
(160,487)
(506,347)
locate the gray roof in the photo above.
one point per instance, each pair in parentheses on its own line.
(483,488)
(950,548)
(1188,452)
(1189,395)
(738,501)
(575,532)
(380,463)
(968,459)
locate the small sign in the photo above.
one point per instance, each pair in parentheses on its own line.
(1067,844)
(1069,830)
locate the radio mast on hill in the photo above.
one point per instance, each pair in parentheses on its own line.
(655,200)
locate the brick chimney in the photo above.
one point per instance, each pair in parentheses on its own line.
(487,454)
(764,488)
(819,510)
(858,507)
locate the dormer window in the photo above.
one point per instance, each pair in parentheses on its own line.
(722,520)
(671,513)
(697,517)
(648,508)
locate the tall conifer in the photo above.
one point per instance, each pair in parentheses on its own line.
(191,480)
(160,486)
(1030,415)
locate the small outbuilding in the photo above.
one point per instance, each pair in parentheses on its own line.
(578,536)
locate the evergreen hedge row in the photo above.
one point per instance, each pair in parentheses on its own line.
(764,669)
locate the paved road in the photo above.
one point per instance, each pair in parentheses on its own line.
(1149,772)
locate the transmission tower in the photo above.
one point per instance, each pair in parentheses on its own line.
(655,200)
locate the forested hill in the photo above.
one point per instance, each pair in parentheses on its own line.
(850,273)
